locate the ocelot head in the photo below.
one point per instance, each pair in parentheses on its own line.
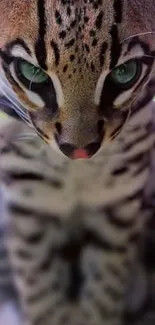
(77,69)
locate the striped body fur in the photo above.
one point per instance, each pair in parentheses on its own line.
(73,226)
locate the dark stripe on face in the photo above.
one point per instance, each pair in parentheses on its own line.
(115,46)
(108,96)
(119,128)
(118,11)
(7,58)
(9,76)
(115,42)
(40,48)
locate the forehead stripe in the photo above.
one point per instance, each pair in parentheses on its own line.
(118,11)
(115,46)
(40,48)
(115,42)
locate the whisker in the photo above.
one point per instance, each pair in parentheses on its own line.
(149,56)
(13,101)
(27,136)
(33,77)
(8,88)
(9,97)
(135,35)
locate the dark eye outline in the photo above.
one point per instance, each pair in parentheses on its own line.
(27,83)
(129,84)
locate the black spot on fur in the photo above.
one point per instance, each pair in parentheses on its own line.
(56,52)
(62,34)
(58,17)
(72,57)
(70,43)
(99,20)
(94,42)
(65,68)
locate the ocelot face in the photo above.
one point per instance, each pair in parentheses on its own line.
(78,68)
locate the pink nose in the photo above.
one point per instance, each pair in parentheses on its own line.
(80,153)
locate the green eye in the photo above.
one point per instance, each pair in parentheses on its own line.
(126,74)
(32,73)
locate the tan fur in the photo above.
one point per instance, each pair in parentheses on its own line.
(16,19)
(93,205)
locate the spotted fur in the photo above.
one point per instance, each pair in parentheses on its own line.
(74,226)
(78,43)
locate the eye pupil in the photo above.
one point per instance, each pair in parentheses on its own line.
(121,70)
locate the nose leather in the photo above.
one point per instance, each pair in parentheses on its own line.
(76,153)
